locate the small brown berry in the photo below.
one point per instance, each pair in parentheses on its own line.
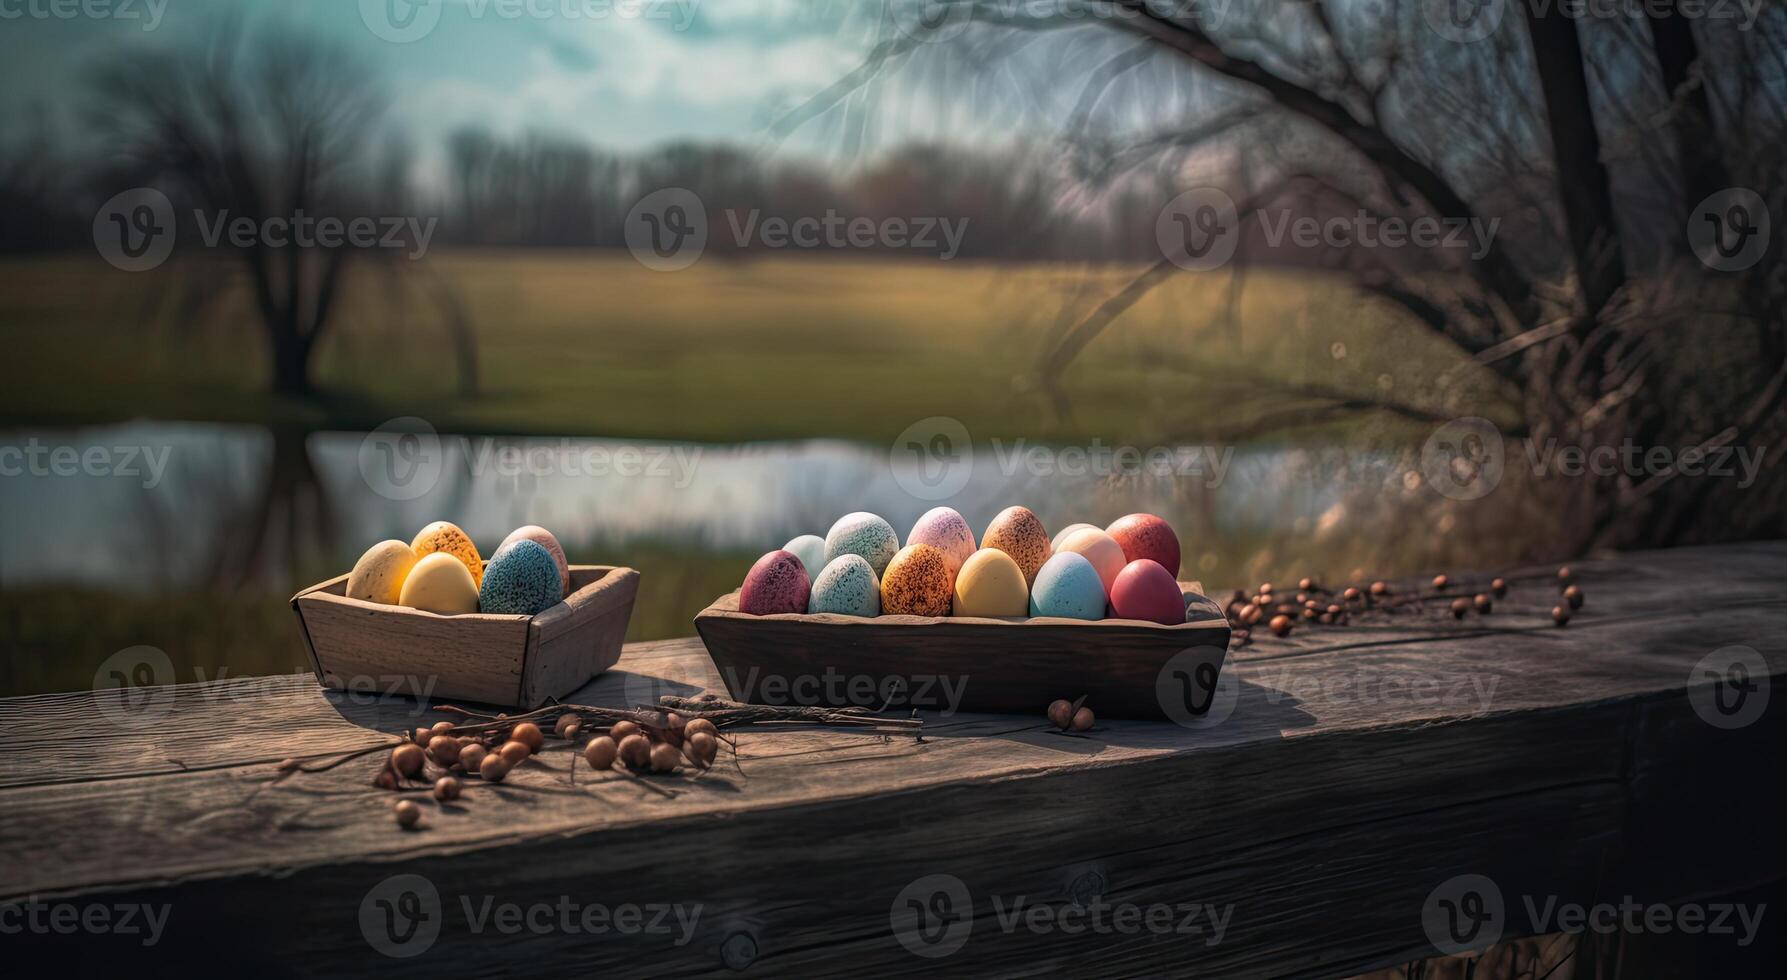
(1351,594)
(472,756)
(446,789)
(1310,613)
(407,813)
(1566,575)
(1265,588)
(565,723)
(422,735)
(664,757)
(701,725)
(1306,583)
(1440,582)
(1460,607)
(493,768)
(1303,597)
(1573,595)
(600,753)
(441,728)
(621,729)
(1083,720)
(1250,614)
(1380,588)
(1325,619)
(385,779)
(444,749)
(1280,625)
(1499,587)
(528,734)
(703,747)
(1560,615)
(513,752)
(1060,713)
(635,750)
(407,759)
(1483,603)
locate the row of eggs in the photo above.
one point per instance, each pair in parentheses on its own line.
(1127,570)
(440,571)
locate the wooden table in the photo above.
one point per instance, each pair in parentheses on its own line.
(1360,769)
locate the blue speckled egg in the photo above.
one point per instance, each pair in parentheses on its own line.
(848,586)
(521,579)
(810,549)
(1067,585)
(862,533)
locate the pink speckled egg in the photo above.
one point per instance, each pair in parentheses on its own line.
(1144,590)
(1147,536)
(776,584)
(944,529)
(544,538)
(1101,550)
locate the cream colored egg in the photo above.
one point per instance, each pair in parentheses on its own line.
(440,583)
(379,574)
(446,537)
(991,584)
(1099,548)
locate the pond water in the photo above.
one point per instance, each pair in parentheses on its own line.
(147,516)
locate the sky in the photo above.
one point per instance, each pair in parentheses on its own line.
(624,74)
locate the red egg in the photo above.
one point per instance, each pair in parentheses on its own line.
(1146,591)
(776,584)
(1147,536)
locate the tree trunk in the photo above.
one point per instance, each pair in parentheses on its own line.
(1697,143)
(1576,151)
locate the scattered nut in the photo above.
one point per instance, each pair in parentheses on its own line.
(444,749)
(1440,582)
(407,759)
(493,768)
(696,725)
(1306,584)
(407,813)
(472,756)
(446,789)
(385,779)
(1060,713)
(528,734)
(1566,575)
(703,747)
(1351,594)
(1560,615)
(1460,607)
(566,723)
(1083,720)
(601,752)
(621,729)
(513,752)
(1573,595)
(1380,588)
(663,757)
(1483,603)
(1499,587)
(635,750)
(1280,625)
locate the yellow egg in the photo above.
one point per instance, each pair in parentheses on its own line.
(1019,533)
(378,575)
(991,584)
(440,583)
(447,538)
(917,582)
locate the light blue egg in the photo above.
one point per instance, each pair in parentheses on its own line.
(847,586)
(810,549)
(521,579)
(1067,585)
(862,533)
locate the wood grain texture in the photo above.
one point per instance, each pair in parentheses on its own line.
(482,657)
(1354,771)
(1128,668)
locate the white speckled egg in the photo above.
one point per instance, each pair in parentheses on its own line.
(810,549)
(847,586)
(865,534)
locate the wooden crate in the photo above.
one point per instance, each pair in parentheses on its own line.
(505,660)
(1125,668)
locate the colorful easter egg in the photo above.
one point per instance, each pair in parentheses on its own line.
(917,582)
(1062,535)
(864,534)
(378,575)
(990,583)
(810,549)
(1067,585)
(1145,590)
(521,579)
(446,537)
(543,538)
(1147,536)
(1101,550)
(1020,534)
(440,583)
(944,529)
(848,587)
(777,583)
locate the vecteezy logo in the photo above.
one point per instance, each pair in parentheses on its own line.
(401,459)
(1729,230)
(1462,21)
(1193,691)
(667,229)
(933,916)
(1463,459)
(926,21)
(131,686)
(400,21)
(1198,230)
(933,458)
(401,916)
(1464,913)
(1728,688)
(134,231)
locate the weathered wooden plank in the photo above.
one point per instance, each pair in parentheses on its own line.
(1358,770)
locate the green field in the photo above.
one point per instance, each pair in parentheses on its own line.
(726,351)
